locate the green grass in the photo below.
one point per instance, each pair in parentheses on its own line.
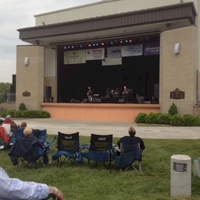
(87,182)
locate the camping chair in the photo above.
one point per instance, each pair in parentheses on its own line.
(129,154)
(27,150)
(18,132)
(68,149)
(100,149)
(41,135)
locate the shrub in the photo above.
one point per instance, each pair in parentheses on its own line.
(190,120)
(18,114)
(173,109)
(164,119)
(9,112)
(3,113)
(26,113)
(151,118)
(177,120)
(36,114)
(140,118)
(22,107)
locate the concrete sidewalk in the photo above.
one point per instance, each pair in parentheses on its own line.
(85,128)
(118,129)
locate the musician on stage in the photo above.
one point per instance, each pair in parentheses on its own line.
(89,94)
(125,94)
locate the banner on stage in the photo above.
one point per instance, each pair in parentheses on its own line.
(74,57)
(151,48)
(113,52)
(132,50)
(95,54)
(111,61)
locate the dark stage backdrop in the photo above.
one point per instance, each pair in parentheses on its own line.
(139,73)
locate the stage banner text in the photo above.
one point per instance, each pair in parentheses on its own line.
(132,50)
(151,48)
(95,54)
(113,52)
(74,57)
(111,61)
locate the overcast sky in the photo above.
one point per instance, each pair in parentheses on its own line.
(16,14)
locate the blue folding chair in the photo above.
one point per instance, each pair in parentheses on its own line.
(27,150)
(100,150)
(18,132)
(68,149)
(41,135)
(129,154)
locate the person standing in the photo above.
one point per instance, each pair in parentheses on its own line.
(89,94)
(125,94)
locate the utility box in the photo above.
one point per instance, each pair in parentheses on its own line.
(180,176)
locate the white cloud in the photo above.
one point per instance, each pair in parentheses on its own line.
(16,14)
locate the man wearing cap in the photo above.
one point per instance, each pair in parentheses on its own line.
(8,120)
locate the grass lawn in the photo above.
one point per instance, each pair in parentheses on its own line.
(87,182)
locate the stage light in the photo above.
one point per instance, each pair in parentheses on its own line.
(130,40)
(102,43)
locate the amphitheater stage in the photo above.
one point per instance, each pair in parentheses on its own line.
(98,111)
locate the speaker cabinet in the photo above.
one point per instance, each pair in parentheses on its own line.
(48,91)
(156,90)
(14,79)
(12,88)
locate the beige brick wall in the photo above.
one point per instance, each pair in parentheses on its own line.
(178,70)
(31,77)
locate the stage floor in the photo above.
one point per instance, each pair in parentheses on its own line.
(98,111)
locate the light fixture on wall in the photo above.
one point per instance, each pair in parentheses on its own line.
(177,48)
(26,61)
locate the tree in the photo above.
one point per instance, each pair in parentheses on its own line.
(4,89)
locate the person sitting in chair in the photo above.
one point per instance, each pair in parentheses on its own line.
(131,139)
(27,142)
(4,139)
(8,120)
(23,125)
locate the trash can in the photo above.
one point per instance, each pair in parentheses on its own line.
(180,176)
